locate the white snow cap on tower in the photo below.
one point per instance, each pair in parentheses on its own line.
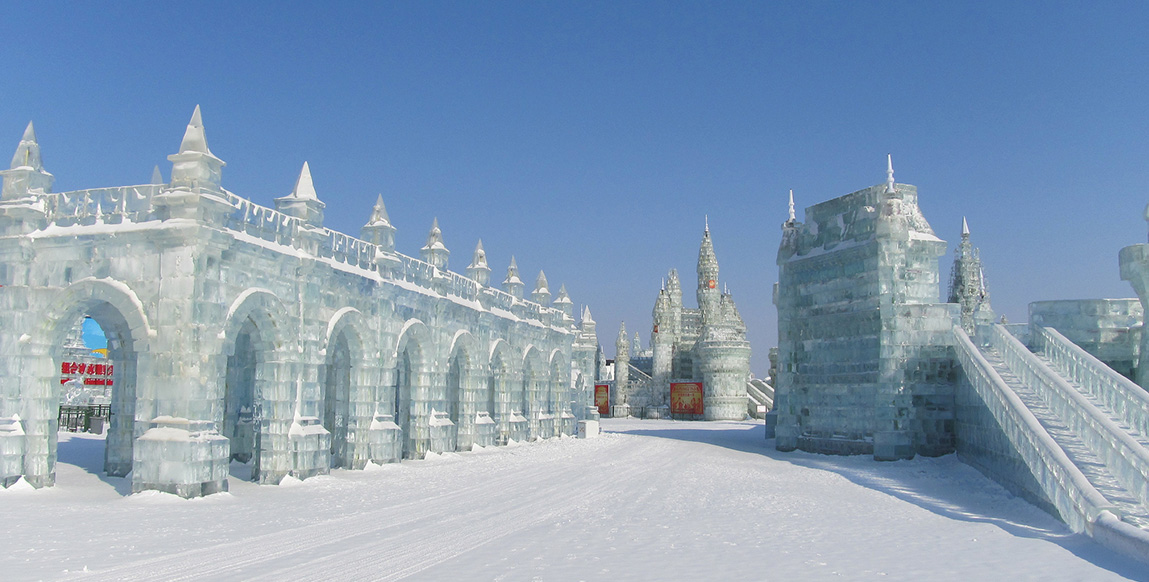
(791,205)
(889,174)
(304,187)
(194,138)
(586,314)
(964,227)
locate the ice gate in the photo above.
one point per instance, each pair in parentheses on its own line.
(241,332)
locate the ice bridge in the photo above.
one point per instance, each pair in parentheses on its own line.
(241,332)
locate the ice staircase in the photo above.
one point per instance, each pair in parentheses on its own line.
(1081,429)
(759,393)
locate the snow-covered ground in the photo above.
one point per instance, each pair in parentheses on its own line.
(650,500)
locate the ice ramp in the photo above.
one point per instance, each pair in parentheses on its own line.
(1080,430)
(759,393)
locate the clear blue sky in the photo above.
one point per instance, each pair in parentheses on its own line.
(590,139)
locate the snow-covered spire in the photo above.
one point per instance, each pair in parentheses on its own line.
(478,270)
(586,314)
(195,140)
(157,176)
(513,284)
(889,174)
(706,222)
(542,292)
(303,203)
(792,217)
(378,229)
(563,301)
(435,252)
(27,171)
(964,227)
(304,186)
(195,166)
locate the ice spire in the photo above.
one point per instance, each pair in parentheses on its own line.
(541,294)
(889,174)
(302,203)
(478,270)
(27,170)
(964,228)
(792,217)
(195,140)
(304,186)
(586,314)
(195,166)
(563,301)
(157,176)
(513,284)
(435,252)
(378,229)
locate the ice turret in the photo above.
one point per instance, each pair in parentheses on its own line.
(967,284)
(478,270)
(303,203)
(541,294)
(27,170)
(587,322)
(636,345)
(563,301)
(195,166)
(889,174)
(435,252)
(513,284)
(379,230)
(157,176)
(621,373)
(708,293)
(792,217)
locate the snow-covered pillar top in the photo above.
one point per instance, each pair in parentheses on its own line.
(435,252)
(563,302)
(378,230)
(195,166)
(27,170)
(303,203)
(478,270)
(542,293)
(513,284)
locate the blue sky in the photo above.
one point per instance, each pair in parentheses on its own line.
(590,139)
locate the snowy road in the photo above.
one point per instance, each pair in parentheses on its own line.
(657,500)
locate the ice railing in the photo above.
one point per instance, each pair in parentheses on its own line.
(1126,459)
(1125,398)
(100,205)
(1067,488)
(274,226)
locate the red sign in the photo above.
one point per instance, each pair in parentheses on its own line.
(686,397)
(602,398)
(81,369)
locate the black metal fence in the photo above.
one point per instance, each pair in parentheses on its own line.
(80,418)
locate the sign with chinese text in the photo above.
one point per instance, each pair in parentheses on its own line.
(602,398)
(686,397)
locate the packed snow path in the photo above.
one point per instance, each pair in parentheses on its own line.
(653,500)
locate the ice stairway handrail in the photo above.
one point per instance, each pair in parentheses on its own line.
(1075,498)
(1127,459)
(1124,397)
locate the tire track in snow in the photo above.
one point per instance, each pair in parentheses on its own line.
(358,532)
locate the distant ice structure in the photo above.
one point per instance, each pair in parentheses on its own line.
(706,346)
(241,332)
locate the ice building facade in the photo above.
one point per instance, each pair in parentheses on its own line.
(689,347)
(870,362)
(237,331)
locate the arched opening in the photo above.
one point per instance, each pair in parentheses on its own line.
(242,404)
(96,389)
(337,398)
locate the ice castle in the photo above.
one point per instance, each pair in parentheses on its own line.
(699,362)
(241,332)
(870,362)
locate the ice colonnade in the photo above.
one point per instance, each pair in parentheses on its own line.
(244,332)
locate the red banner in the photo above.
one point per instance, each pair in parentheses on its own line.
(686,398)
(602,398)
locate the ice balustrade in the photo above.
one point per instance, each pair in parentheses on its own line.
(1126,459)
(133,204)
(1076,500)
(1120,394)
(100,205)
